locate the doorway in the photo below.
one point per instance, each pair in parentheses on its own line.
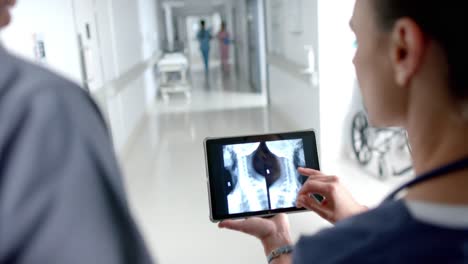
(253,28)
(89,46)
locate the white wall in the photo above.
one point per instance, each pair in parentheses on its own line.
(128,38)
(106,39)
(151,43)
(325,26)
(292,96)
(134,39)
(53,19)
(281,40)
(337,75)
(293,100)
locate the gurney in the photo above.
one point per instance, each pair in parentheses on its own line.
(169,65)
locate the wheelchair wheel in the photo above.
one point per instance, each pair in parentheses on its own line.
(383,169)
(359,139)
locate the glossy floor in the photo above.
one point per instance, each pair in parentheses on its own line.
(218,91)
(165,175)
(166,178)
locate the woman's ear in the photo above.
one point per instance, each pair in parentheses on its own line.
(407,48)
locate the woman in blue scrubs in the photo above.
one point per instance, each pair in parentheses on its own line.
(411,66)
(204,37)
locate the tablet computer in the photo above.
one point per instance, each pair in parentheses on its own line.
(256,175)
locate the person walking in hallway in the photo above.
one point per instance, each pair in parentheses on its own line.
(224,43)
(204,37)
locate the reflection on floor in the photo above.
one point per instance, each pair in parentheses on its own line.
(166,180)
(220,91)
(220,80)
(205,101)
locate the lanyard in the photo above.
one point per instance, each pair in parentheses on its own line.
(444,170)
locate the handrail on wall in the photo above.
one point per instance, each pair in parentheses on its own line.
(121,83)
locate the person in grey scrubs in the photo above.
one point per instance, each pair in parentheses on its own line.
(62,199)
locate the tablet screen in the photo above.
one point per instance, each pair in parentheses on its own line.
(257,175)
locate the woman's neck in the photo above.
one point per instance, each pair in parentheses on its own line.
(437,139)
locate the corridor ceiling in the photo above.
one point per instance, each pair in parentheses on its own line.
(198,7)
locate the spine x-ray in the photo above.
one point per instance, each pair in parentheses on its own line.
(262,176)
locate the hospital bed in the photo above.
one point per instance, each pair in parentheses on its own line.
(169,66)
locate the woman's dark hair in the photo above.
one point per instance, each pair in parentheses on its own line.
(446,22)
(202,23)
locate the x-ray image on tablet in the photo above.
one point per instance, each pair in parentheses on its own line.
(263,175)
(257,175)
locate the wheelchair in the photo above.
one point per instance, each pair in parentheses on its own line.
(369,142)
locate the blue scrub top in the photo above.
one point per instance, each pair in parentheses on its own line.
(204,37)
(388,234)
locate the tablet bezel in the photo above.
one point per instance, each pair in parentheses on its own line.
(221,141)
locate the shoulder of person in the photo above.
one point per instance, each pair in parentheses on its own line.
(27,78)
(355,239)
(28,87)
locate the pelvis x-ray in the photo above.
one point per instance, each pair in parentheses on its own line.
(262,176)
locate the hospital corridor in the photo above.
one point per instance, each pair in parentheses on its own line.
(167,74)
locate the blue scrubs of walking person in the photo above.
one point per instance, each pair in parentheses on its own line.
(204,37)
(411,67)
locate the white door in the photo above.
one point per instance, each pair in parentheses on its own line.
(88,38)
(253,27)
(292,28)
